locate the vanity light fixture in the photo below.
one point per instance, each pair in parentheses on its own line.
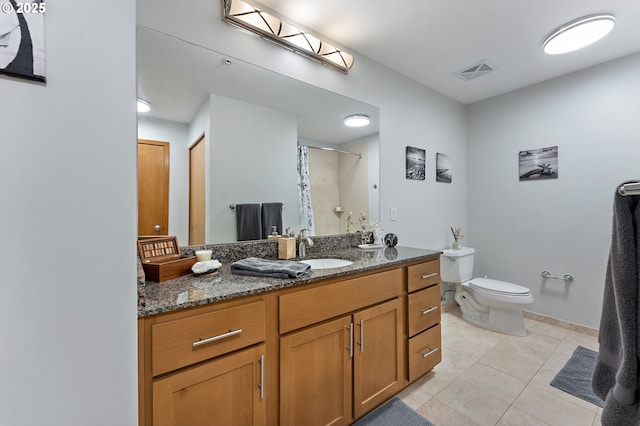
(255,20)
(577,34)
(357,120)
(143,106)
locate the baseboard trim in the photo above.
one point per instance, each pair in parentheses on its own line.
(561,323)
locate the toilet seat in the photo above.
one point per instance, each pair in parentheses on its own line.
(496,287)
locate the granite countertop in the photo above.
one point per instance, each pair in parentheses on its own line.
(190,290)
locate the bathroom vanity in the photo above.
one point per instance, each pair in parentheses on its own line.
(322,349)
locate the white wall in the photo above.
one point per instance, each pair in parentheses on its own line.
(563,225)
(68,225)
(249,141)
(177,136)
(411,114)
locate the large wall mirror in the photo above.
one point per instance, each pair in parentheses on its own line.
(233,129)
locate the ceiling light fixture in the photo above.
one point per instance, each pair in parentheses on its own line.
(250,18)
(143,106)
(357,120)
(579,33)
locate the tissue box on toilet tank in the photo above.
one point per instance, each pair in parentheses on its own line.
(161,258)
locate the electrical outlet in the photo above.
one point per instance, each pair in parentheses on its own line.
(394,216)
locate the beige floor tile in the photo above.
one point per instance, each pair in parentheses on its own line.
(539,402)
(441,414)
(583,340)
(415,395)
(598,420)
(473,402)
(436,380)
(542,328)
(472,342)
(454,362)
(514,358)
(516,417)
(494,382)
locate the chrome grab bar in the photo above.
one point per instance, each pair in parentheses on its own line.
(218,337)
(429,310)
(431,351)
(566,277)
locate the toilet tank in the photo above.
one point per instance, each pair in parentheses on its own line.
(456,266)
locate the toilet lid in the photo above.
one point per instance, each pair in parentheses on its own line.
(499,287)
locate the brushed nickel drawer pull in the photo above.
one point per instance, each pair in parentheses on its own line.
(350,347)
(431,351)
(218,337)
(261,384)
(429,310)
(424,277)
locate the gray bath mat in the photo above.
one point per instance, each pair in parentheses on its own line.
(393,413)
(575,376)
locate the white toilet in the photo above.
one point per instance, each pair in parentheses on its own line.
(492,304)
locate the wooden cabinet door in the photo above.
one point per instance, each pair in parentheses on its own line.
(378,359)
(225,391)
(315,375)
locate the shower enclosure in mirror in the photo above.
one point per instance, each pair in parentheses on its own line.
(251,122)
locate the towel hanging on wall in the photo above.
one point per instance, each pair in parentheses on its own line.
(615,376)
(248,222)
(271,216)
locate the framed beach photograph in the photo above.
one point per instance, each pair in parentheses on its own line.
(22,52)
(537,164)
(416,166)
(443,168)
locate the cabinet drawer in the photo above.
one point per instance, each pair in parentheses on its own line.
(423,275)
(185,341)
(424,352)
(424,309)
(317,304)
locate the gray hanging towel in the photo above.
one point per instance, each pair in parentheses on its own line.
(615,376)
(248,223)
(271,216)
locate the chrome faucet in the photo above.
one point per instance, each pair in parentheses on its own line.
(303,242)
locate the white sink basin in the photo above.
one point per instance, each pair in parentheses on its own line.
(326,263)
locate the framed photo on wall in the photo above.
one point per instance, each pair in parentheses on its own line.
(536,164)
(416,166)
(22,52)
(443,168)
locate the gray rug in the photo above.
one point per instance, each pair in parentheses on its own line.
(393,413)
(575,376)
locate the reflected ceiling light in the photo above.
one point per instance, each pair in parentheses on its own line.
(248,17)
(357,120)
(578,34)
(143,106)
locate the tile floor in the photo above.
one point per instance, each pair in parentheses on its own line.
(489,378)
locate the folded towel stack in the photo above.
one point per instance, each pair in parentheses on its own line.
(258,267)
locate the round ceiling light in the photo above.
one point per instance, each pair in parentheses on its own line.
(578,34)
(357,120)
(143,106)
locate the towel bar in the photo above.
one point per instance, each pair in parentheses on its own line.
(566,277)
(629,189)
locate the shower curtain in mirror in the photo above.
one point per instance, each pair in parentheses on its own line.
(305,212)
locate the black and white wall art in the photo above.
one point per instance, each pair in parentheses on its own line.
(22,52)
(443,168)
(416,163)
(541,163)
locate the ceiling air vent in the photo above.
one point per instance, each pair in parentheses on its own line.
(474,71)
